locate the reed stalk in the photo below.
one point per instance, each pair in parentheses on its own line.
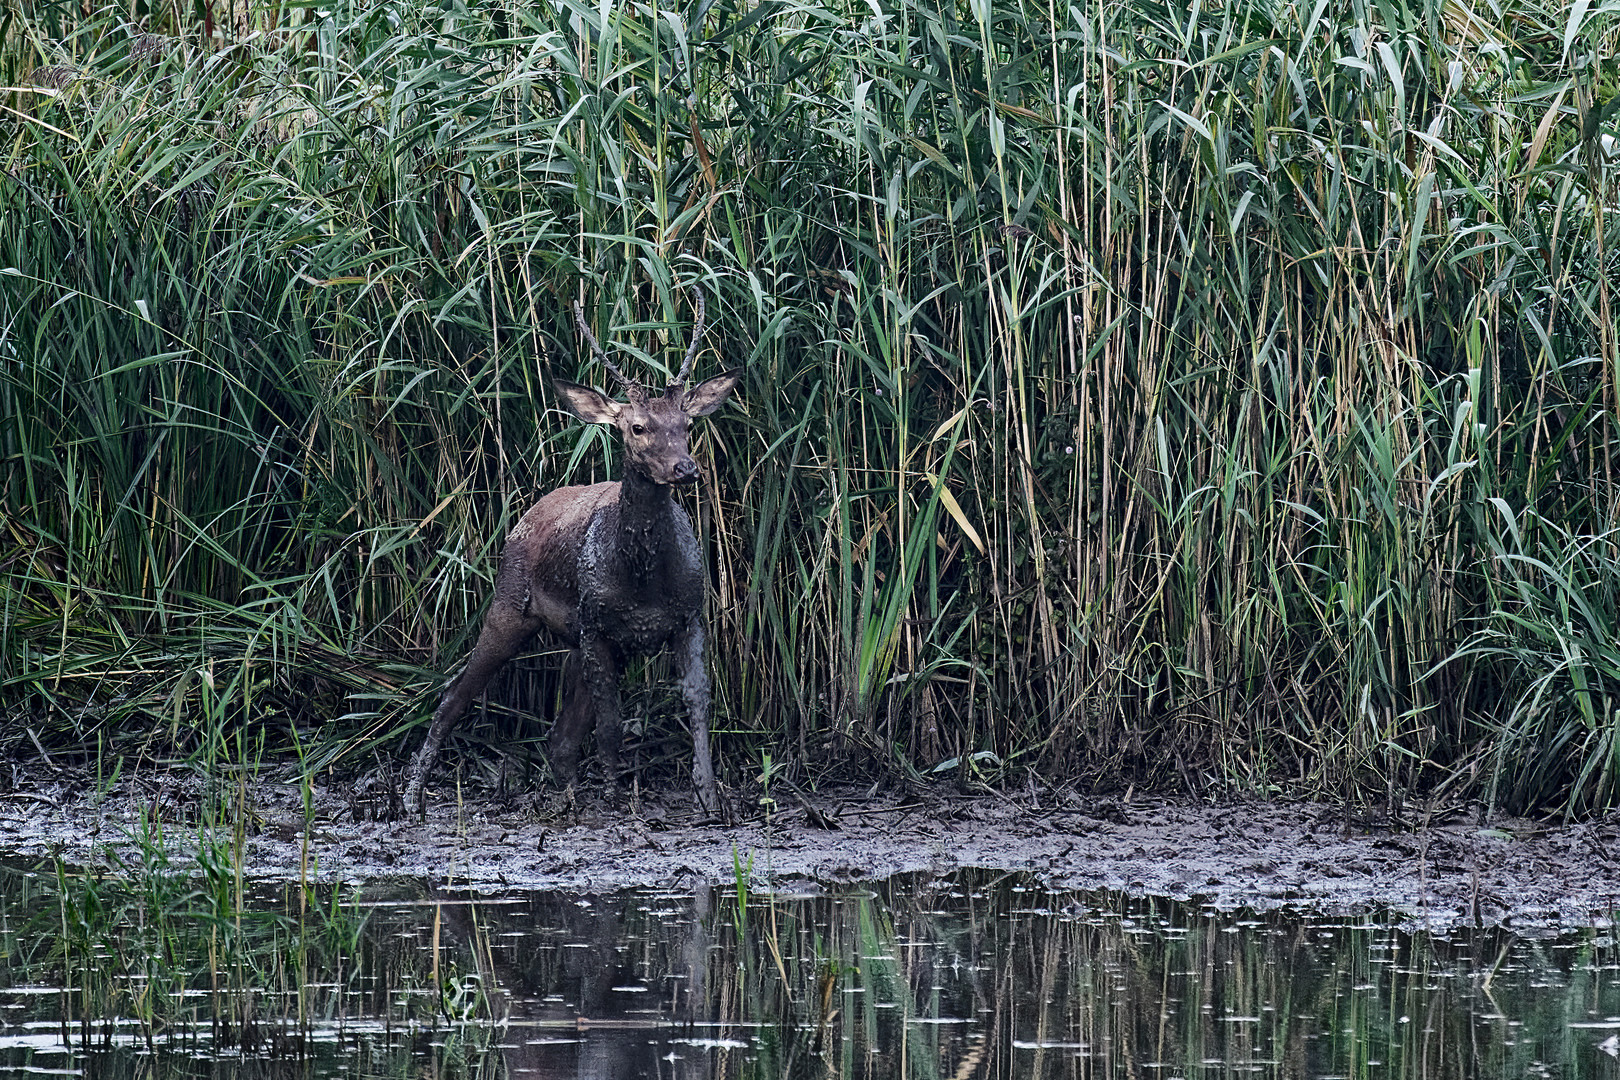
(1200,397)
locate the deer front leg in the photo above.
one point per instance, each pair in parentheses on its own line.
(569,729)
(504,631)
(601,672)
(695,692)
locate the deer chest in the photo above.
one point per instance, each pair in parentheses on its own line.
(640,579)
(645,624)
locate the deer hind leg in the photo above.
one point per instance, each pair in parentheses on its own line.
(600,668)
(695,693)
(504,632)
(569,729)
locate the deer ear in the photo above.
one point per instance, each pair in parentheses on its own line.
(589,405)
(710,394)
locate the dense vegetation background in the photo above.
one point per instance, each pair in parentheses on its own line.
(1199,396)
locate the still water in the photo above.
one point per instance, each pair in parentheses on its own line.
(158,974)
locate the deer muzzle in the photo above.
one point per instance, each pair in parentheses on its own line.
(684,472)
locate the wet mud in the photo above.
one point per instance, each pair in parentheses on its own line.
(1441,871)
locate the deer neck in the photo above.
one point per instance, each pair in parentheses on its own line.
(646,526)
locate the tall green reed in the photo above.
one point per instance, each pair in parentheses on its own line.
(1128,388)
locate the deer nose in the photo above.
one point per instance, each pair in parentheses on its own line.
(685,471)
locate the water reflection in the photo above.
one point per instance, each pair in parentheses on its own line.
(970,975)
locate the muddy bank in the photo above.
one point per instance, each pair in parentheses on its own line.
(1445,873)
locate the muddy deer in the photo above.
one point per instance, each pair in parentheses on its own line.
(612,569)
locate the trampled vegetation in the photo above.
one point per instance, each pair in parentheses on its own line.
(1196,396)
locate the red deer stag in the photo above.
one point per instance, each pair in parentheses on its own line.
(613,569)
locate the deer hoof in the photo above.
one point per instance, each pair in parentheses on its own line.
(711,809)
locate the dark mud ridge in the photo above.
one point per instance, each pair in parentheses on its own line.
(1445,872)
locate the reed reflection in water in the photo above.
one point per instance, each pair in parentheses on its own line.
(968,975)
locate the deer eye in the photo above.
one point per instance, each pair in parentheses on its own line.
(637,429)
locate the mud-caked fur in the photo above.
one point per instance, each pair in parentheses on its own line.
(614,571)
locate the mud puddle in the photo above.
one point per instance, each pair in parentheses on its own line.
(1447,872)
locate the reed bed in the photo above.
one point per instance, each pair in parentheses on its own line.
(1209,396)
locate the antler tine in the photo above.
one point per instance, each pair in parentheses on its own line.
(697,335)
(628,385)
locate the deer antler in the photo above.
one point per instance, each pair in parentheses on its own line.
(697,334)
(630,385)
